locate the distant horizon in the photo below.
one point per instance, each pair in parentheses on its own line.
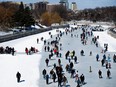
(81,4)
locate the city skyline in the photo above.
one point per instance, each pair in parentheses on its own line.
(81,4)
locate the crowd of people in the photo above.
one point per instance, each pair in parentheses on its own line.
(7,50)
(31,50)
(54,48)
(57,72)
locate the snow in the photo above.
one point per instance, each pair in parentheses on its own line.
(5,33)
(105,38)
(31,66)
(2,33)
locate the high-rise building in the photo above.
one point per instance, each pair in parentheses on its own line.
(65,3)
(74,6)
(50,7)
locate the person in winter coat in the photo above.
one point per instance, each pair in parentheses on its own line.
(48,48)
(76,77)
(67,54)
(100,73)
(75,59)
(26,51)
(78,82)
(37,40)
(47,79)
(51,73)
(59,80)
(44,42)
(82,53)
(106,64)
(82,78)
(59,61)
(90,53)
(64,81)
(13,51)
(44,73)
(114,58)
(47,61)
(71,55)
(69,59)
(54,77)
(97,57)
(72,73)
(108,73)
(71,65)
(67,67)
(102,62)
(104,57)
(18,76)
(109,64)
(45,48)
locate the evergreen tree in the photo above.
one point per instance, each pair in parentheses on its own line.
(23,17)
(19,16)
(28,19)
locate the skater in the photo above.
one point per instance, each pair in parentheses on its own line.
(60,55)
(90,53)
(44,42)
(54,77)
(97,57)
(67,67)
(82,53)
(108,73)
(100,73)
(37,40)
(104,57)
(51,73)
(47,61)
(114,58)
(59,80)
(78,82)
(54,65)
(71,65)
(44,73)
(102,62)
(18,76)
(109,65)
(72,73)
(26,51)
(41,38)
(48,48)
(73,53)
(13,51)
(45,48)
(106,64)
(59,61)
(64,81)
(82,78)
(75,59)
(47,79)
(67,54)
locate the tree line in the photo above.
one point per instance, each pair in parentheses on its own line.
(17,15)
(14,15)
(98,14)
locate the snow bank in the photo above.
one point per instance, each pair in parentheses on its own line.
(105,38)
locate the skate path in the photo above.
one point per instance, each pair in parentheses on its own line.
(31,66)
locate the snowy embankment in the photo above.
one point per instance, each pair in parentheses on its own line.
(106,39)
(27,65)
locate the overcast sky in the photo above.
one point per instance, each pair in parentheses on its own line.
(81,4)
